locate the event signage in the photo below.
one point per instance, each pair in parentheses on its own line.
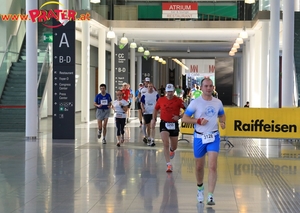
(121,66)
(63,125)
(199,69)
(180,10)
(257,123)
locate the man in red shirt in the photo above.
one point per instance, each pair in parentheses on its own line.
(126,92)
(169,107)
(126,95)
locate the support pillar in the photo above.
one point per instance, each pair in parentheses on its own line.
(101,57)
(132,75)
(264,68)
(112,68)
(139,69)
(274,54)
(85,72)
(31,130)
(288,53)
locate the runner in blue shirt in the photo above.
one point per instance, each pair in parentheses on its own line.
(103,104)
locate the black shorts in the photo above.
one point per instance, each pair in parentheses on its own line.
(173,132)
(139,105)
(147,118)
(129,104)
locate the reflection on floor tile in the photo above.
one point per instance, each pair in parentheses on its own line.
(84,175)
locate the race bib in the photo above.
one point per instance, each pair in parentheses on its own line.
(208,138)
(119,115)
(170,126)
(104,102)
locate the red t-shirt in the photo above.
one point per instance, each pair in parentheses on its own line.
(126,94)
(169,108)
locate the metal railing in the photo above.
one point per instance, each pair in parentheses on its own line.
(43,75)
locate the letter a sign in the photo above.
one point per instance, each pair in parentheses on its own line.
(63,120)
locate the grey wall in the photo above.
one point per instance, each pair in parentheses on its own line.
(224,79)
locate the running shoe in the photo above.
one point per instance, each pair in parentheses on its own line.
(145,140)
(200,194)
(104,141)
(99,134)
(148,141)
(118,144)
(172,154)
(151,143)
(169,168)
(210,199)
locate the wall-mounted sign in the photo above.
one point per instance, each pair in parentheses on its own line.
(180,10)
(121,66)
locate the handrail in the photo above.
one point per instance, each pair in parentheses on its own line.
(43,66)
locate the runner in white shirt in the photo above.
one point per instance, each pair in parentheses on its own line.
(207,111)
(148,102)
(120,106)
(142,91)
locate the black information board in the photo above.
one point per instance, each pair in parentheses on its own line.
(63,122)
(121,66)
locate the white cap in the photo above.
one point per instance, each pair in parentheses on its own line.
(147,79)
(170,88)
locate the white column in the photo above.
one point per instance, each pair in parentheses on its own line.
(243,75)
(155,66)
(101,57)
(274,54)
(112,91)
(64,5)
(31,74)
(236,81)
(139,69)
(85,72)
(132,74)
(264,68)
(297,5)
(254,80)
(288,53)
(256,71)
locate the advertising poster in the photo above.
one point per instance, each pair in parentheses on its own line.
(199,69)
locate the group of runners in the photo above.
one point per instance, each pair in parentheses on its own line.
(205,112)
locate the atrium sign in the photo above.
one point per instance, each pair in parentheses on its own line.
(180,10)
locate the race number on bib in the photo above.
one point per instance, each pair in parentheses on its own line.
(119,115)
(170,126)
(104,102)
(208,138)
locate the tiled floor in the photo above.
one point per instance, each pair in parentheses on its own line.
(84,175)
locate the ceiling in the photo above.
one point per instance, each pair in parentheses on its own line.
(204,39)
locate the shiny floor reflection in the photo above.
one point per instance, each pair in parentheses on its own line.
(84,175)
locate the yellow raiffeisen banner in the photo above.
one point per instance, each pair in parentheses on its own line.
(258,123)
